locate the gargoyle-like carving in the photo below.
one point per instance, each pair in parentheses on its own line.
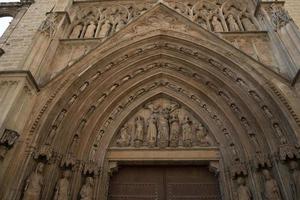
(163,123)
(7,140)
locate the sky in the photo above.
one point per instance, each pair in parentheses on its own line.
(4,21)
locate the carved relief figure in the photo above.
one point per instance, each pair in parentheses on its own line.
(51,135)
(272,191)
(295,185)
(233,26)
(62,190)
(279,133)
(163,129)
(34,184)
(105,29)
(174,130)
(247,23)
(76,31)
(267,112)
(87,190)
(187,131)
(243,191)
(217,24)
(90,31)
(139,131)
(152,131)
(202,137)
(121,23)
(125,137)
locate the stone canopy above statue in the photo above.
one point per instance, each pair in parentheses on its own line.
(163,123)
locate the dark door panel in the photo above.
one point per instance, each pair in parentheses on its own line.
(164,183)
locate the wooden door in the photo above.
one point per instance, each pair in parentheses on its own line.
(164,183)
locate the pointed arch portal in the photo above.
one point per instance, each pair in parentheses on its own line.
(165,97)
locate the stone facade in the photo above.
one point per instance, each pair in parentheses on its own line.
(86,86)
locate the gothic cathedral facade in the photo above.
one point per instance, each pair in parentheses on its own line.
(149,100)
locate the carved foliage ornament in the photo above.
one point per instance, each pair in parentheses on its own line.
(7,140)
(279,16)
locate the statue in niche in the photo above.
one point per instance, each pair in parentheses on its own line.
(187,132)
(74,144)
(174,130)
(202,137)
(87,190)
(152,131)
(217,24)
(105,29)
(90,31)
(51,135)
(125,137)
(279,133)
(163,129)
(251,134)
(272,191)
(295,185)
(267,111)
(121,24)
(76,31)
(255,96)
(139,131)
(34,184)
(247,23)
(233,26)
(243,191)
(62,189)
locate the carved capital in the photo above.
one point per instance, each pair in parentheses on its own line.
(261,161)
(238,169)
(288,152)
(91,169)
(44,153)
(68,161)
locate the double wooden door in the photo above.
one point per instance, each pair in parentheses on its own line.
(164,183)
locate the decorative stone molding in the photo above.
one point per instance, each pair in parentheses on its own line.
(91,169)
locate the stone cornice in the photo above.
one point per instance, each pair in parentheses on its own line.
(22,73)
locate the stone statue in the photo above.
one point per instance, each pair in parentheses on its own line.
(90,31)
(51,135)
(255,96)
(202,137)
(267,112)
(295,185)
(217,24)
(76,31)
(62,190)
(272,191)
(125,137)
(174,130)
(152,131)
(163,130)
(87,190)
(34,184)
(121,23)
(248,25)
(139,131)
(243,191)
(233,26)
(279,133)
(105,29)
(187,132)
